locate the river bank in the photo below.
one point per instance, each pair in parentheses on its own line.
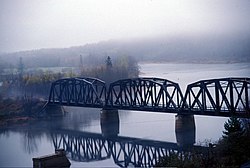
(19,111)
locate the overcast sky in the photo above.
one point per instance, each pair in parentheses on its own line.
(35,24)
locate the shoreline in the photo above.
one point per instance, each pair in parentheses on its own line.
(18,112)
(196,62)
(17,120)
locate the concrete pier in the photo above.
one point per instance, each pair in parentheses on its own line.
(185,130)
(110,123)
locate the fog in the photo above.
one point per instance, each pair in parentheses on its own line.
(35,24)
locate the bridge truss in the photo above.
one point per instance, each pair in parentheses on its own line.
(219,97)
(86,92)
(149,94)
(223,97)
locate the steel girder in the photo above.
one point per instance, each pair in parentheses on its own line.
(222,97)
(85,92)
(149,94)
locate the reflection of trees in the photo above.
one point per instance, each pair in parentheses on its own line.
(30,141)
(4,132)
(31,134)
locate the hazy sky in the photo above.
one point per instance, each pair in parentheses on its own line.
(34,24)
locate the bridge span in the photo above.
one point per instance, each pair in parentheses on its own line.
(214,97)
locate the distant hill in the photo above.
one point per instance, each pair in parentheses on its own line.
(189,49)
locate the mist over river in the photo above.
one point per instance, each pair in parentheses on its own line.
(19,144)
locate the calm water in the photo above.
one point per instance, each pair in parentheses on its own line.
(20,144)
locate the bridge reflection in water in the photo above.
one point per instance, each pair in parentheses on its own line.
(125,151)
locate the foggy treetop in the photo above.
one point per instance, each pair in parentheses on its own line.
(187,49)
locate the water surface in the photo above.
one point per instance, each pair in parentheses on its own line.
(21,143)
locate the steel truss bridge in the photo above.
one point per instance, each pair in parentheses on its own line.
(215,97)
(88,147)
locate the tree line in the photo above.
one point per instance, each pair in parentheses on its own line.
(37,83)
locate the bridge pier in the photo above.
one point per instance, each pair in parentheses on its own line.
(185,130)
(110,123)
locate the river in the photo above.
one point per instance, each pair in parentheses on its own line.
(19,144)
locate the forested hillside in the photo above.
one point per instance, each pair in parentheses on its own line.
(190,49)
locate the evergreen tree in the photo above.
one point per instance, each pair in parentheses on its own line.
(1,66)
(81,64)
(20,67)
(108,63)
(233,127)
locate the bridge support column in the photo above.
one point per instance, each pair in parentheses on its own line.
(185,130)
(110,123)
